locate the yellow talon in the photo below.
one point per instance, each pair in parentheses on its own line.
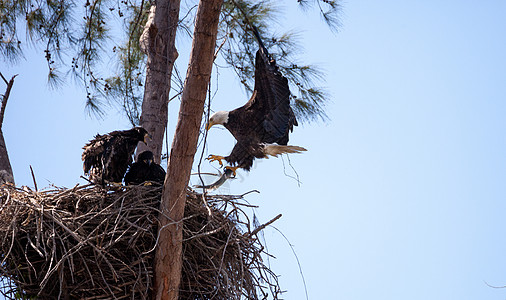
(218,158)
(233,169)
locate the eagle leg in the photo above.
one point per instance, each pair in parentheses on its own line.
(233,169)
(218,158)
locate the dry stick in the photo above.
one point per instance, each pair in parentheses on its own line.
(33,177)
(5,80)
(252,191)
(209,232)
(12,241)
(293,169)
(219,48)
(210,244)
(261,227)
(79,239)
(204,192)
(6,201)
(297,258)
(28,260)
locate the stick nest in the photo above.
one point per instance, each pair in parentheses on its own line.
(89,242)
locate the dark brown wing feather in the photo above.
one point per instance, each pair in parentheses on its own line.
(107,156)
(118,157)
(266,118)
(93,151)
(271,101)
(244,152)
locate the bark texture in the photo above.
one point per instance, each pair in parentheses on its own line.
(6,174)
(157,42)
(169,248)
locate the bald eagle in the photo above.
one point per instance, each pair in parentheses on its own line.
(262,125)
(145,170)
(106,157)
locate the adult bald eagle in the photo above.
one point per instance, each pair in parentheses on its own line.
(107,157)
(261,127)
(145,170)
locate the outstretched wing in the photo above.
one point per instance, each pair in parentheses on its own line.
(272,97)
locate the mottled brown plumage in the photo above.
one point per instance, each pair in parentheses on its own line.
(107,157)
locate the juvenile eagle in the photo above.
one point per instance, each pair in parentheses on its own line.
(145,170)
(262,125)
(106,157)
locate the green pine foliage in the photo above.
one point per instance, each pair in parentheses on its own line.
(77,37)
(308,99)
(126,87)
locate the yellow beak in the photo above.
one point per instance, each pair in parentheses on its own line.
(209,125)
(147,137)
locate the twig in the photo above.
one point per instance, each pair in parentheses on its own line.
(12,242)
(297,258)
(102,249)
(252,191)
(204,149)
(89,181)
(5,80)
(33,177)
(293,169)
(262,227)
(219,48)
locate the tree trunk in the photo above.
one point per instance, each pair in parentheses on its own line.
(6,174)
(158,42)
(169,248)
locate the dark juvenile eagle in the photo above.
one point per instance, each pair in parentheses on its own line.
(107,157)
(145,170)
(262,125)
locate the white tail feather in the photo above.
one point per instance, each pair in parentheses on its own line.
(275,150)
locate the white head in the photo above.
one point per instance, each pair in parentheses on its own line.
(218,118)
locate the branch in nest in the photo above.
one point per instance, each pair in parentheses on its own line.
(262,227)
(90,242)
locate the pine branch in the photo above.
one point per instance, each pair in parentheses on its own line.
(308,100)
(51,24)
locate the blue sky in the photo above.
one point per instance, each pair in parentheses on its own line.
(402,192)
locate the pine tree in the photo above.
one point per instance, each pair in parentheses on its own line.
(79,45)
(144,81)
